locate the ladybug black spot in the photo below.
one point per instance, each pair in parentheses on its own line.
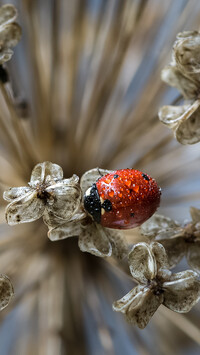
(145,177)
(107,205)
(132,214)
(92,204)
(116,176)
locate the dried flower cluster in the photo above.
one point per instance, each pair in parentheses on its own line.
(183,74)
(10,32)
(59,202)
(156,285)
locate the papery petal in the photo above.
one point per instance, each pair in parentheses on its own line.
(52,221)
(188,132)
(172,115)
(16,192)
(118,243)
(6,291)
(175,249)
(159,226)
(65,198)
(5,55)
(160,256)
(94,240)
(193,256)
(133,297)
(26,208)
(184,121)
(175,78)
(186,52)
(69,229)
(195,214)
(8,13)
(91,176)
(143,306)
(142,263)
(9,35)
(42,170)
(182,292)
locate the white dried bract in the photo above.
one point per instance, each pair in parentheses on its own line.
(48,194)
(93,238)
(184,74)
(156,285)
(6,291)
(178,240)
(10,32)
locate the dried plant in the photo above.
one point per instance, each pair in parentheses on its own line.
(83,90)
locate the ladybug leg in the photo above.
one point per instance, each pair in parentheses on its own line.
(100,172)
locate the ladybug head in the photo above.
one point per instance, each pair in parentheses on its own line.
(92,203)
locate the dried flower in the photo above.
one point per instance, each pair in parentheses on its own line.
(184,74)
(10,32)
(48,194)
(178,240)
(156,285)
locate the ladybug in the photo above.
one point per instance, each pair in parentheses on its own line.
(122,199)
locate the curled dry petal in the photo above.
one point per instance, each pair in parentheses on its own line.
(195,214)
(8,13)
(184,120)
(133,297)
(9,36)
(6,291)
(160,256)
(173,115)
(175,249)
(160,227)
(10,32)
(64,200)
(93,239)
(72,228)
(193,256)
(91,176)
(174,77)
(182,292)
(118,243)
(16,192)
(139,305)
(186,52)
(142,263)
(53,221)
(43,171)
(26,208)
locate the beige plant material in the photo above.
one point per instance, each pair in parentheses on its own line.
(48,193)
(184,74)
(10,32)
(6,291)
(156,285)
(59,202)
(178,240)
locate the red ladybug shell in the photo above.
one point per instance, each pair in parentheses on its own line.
(128,198)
